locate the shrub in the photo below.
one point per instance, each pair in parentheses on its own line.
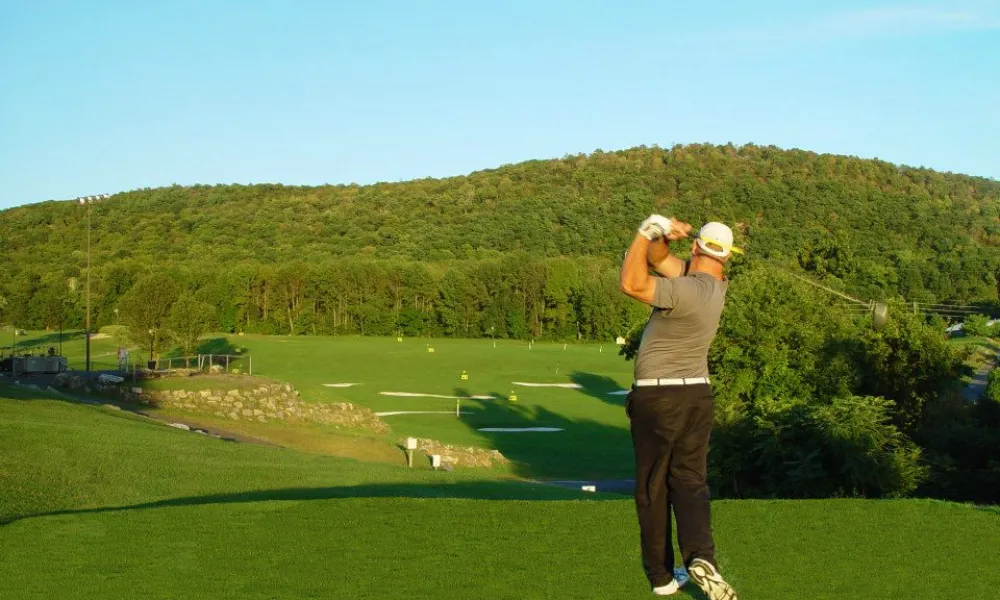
(976,325)
(847,447)
(992,392)
(994,329)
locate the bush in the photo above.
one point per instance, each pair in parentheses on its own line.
(992,392)
(910,363)
(845,448)
(976,325)
(963,450)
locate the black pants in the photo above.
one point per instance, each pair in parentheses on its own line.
(671,427)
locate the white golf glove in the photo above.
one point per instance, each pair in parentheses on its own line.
(655,227)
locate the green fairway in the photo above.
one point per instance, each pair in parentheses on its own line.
(102,504)
(594,441)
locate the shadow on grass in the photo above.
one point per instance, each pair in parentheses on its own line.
(41,343)
(582,449)
(24,392)
(599,386)
(218,348)
(38,389)
(478,490)
(218,345)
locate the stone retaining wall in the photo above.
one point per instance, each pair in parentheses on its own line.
(458,456)
(267,402)
(272,402)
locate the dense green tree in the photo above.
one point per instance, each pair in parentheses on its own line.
(910,363)
(290,286)
(145,312)
(188,320)
(460,302)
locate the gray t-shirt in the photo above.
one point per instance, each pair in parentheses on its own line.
(685,318)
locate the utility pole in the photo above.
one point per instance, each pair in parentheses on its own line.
(88,200)
(88,287)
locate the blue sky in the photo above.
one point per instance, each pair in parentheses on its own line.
(103,96)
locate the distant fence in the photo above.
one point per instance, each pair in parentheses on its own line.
(229,363)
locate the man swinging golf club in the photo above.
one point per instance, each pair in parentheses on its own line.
(671,406)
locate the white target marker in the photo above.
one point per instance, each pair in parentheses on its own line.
(520,429)
(570,386)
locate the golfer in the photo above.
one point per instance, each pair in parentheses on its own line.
(670,406)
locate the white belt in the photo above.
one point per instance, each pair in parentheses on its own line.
(663,381)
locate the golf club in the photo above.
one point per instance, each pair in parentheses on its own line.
(878,310)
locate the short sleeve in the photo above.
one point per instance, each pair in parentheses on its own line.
(665,293)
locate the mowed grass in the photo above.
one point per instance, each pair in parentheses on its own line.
(359,444)
(100,504)
(72,344)
(594,443)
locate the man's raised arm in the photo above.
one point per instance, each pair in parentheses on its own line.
(662,261)
(635,280)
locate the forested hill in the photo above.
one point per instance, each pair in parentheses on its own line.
(580,205)
(880,229)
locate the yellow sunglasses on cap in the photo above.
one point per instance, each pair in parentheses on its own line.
(708,240)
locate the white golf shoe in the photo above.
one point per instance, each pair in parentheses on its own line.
(680,578)
(708,579)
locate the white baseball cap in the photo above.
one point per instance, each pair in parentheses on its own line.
(716,239)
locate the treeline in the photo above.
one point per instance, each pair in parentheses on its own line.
(516,296)
(877,229)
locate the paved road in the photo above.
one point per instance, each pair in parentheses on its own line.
(977,385)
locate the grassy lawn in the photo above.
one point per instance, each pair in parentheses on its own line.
(981,349)
(357,444)
(100,504)
(103,349)
(594,442)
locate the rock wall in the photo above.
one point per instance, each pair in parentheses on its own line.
(273,402)
(264,403)
(457,456)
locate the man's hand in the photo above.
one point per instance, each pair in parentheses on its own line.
(658,254)
(655,227)
(678,230)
